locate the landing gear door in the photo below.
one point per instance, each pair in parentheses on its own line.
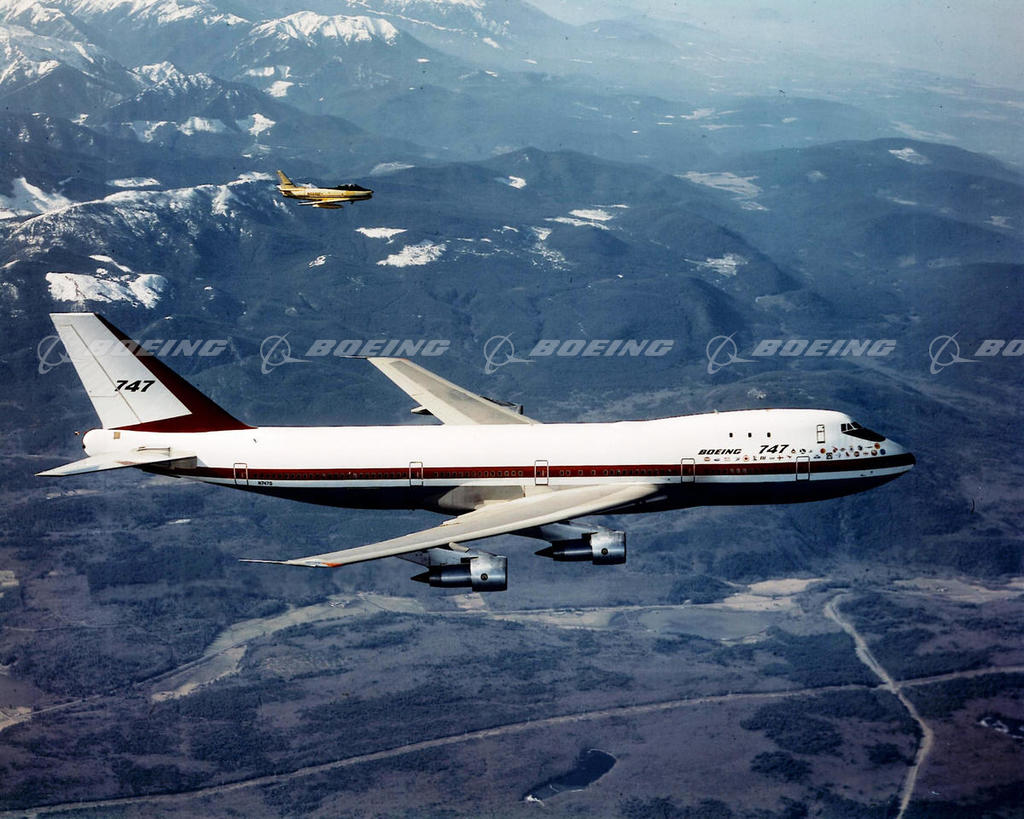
(803,467)
(687,469)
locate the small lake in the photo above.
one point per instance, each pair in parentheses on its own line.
(590,766)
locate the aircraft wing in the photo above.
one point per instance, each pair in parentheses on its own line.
(498,518)
(120,460)
(448,402)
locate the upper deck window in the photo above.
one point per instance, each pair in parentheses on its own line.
(857,431)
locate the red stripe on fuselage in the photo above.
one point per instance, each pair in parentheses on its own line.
(673,470)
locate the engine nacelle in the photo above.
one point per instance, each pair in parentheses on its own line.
(478,571)
(604,547)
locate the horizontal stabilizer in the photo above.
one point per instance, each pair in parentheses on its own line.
(119,460)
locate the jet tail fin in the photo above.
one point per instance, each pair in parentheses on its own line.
(129,387)
(284,179)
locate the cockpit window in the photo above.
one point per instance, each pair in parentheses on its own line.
(857,431)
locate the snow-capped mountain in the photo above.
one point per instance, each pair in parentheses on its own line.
(138,31)
(60,77)
(314,61)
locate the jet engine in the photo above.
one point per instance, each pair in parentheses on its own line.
(479,571)
(569,542)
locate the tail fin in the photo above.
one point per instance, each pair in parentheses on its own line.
(285,180)
(131,388)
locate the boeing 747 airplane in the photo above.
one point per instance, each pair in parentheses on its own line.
(493,469)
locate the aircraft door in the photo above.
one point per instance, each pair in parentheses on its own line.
(540,473)
(803,467)
(415,473)
(241,474)
(687,470)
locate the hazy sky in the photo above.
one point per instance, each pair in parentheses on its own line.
(980,39)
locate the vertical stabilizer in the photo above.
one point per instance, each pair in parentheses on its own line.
(131,388)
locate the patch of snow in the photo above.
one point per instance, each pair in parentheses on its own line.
(222,200)
(279,88)
(592,214)
(81,288)
(491,73)
(512,181)
(489,41)
(319,261)
(422,60)
(910,155)
(148,288)
(999,221)
(157,73)
(134,182)
(568,220)
(28,200)
(196,125)
(254,176)
(542,234)
(816,176)
(742,187)
(313,28)
(698,113)
(924,136)
(728,265)
(262,71)
(145,130)
(256,124)
(415,255)
(789,120)
(380,232)
(389,167)
(108,260)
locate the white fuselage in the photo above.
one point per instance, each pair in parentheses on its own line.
(748,456)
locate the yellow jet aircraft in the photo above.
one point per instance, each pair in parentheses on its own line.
(332,198)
